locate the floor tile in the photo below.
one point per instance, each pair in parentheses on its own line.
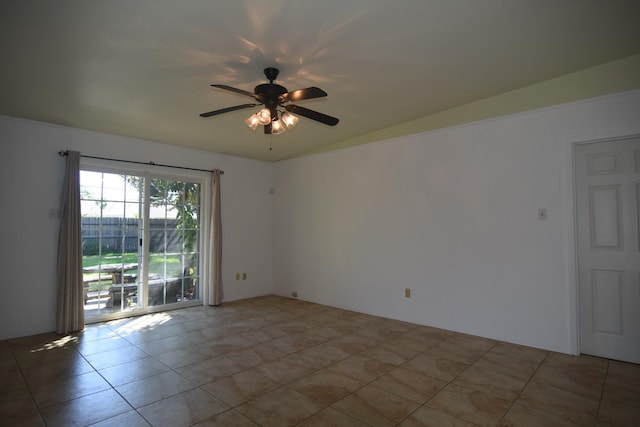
(87,348)
(375,406)
(128,419)
(56,365)
(139,337)
(95,332)
(279,408)
(492,382)
(131,371)
(184,356)
(287,328)
(390,353)
(163,345)
(428,334)
(282,371)
(115,357)
(50,393)
(342,327)
(279,361)
(520,415)
(17,407)
(520,352)
(42,343)
(323,333)
(326,386)
(151,389)
(331,417)
(27,418)
(472,342)
(376,332)
(622,384)
(11,376)
(572,406)
(407,342)
(471,405)
(293,343)
(351,344)
(362,368)
(255,355)
(257,336)
(209,370)
(183,409)
(453,351)
(428,417)
(436,367)
(241,387)
(514,367)
(321,355)
(586,380)
(614,414)
(568,361)
(409,384)
(230,418)
(86,410)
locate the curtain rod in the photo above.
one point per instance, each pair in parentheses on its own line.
(64,153)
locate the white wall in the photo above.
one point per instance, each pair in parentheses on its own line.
(451,214)
(31,174)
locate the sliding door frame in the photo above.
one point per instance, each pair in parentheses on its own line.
(149,172)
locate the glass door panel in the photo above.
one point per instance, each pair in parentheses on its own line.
(111,206)
(173,241)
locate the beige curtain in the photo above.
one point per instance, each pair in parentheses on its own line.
(215,284)
(70,308)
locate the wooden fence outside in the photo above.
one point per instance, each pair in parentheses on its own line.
(122,235)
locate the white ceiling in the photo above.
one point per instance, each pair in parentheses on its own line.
(143,68)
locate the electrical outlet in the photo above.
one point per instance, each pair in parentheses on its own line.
(407,292)
(237,276)
(244,276)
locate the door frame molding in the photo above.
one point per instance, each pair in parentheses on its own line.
(572,253)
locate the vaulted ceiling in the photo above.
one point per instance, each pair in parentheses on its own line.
(144,68)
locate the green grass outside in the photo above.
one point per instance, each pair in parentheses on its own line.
(156,266)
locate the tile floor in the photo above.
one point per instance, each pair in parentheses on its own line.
(273,361)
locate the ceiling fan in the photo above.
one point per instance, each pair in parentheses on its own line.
(274,97)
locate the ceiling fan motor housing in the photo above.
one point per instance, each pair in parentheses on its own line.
(270,94)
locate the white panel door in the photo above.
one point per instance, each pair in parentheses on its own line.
(607,204)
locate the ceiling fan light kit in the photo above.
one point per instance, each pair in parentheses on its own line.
(289,119)
(277,114)
(253,121)
(277,127)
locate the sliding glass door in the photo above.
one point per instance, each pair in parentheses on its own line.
(173,241)
(141,239)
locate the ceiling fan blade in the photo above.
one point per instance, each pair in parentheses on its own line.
(226,110)
(302,94)
(313,115)
(236,90)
